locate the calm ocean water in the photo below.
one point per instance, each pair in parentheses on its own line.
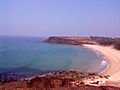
(28,54)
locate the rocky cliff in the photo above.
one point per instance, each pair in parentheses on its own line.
(70,40)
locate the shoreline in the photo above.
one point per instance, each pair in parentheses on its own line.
(112,57)
(99,54)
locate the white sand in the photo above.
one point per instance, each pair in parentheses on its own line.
(113,58)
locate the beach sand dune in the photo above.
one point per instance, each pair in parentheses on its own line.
(112,57)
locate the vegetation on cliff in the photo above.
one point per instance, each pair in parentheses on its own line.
(107,41)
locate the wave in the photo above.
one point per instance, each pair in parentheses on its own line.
(104,63)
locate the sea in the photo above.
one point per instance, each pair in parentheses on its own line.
(29,55)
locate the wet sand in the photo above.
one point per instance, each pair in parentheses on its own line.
(112,57)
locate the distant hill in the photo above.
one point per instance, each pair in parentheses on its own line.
(106,41)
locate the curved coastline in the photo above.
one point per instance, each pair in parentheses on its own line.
(112,57)
(98,53)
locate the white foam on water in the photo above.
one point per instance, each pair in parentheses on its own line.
(103,63)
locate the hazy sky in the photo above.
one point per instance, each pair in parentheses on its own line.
(60,17)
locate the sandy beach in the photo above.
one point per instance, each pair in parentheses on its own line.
(112,57)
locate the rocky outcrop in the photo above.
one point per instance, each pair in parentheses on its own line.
(49,84)
(59,80)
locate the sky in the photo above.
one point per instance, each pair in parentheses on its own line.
(60,18)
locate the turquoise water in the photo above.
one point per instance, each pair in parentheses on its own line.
(28,54)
